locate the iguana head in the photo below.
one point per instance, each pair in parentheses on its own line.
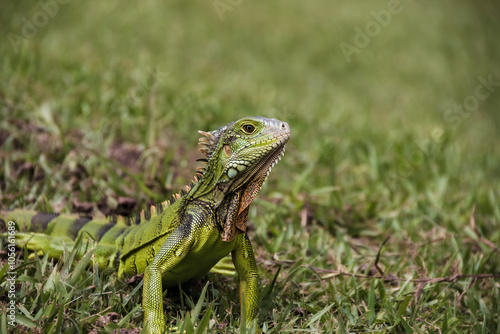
(239,157)
(243,150)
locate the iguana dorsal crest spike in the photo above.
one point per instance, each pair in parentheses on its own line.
(208,143)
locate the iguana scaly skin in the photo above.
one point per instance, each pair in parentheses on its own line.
(180,241)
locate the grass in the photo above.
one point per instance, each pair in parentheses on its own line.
(99,112)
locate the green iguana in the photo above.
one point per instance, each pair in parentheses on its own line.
(181,240)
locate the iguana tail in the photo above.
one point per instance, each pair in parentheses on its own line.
(55,233)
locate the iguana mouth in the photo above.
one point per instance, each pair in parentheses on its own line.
(265,168)
(276,156)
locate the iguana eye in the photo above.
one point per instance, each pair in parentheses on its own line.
(248,128)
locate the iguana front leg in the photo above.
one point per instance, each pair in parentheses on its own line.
(244,262)
(173,250)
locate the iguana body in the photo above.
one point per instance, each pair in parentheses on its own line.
(181,241)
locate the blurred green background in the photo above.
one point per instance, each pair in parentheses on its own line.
(101,101)
(215,62)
